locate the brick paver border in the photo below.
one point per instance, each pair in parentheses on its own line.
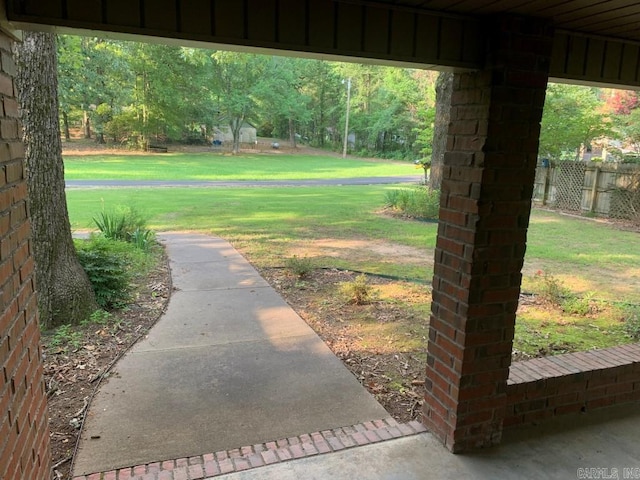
(251,456)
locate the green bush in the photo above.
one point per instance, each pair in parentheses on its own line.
(107,268)
(631,158)
(632,321)
(126,224)
(65,336)
(99,317)
(392,197)
(357,291)
(581,306)
(420,202)
(142,239)
(111,225)
(550,289)
(301,267)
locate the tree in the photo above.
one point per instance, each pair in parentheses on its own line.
(65,294)
(629,128)
(571,119)
(323,86)
(622,102)
(238,78)
(444,90)
(281,95)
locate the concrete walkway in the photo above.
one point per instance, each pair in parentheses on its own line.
(229,364)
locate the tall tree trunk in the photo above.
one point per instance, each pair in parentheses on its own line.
(86,124)
(444,89)
(65,294)
(236,126)
(292,133)
(65,126)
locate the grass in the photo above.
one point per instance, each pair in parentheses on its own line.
(264,222)
(553,331)
(213,166)
(585,255)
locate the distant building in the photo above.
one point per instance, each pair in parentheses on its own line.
(248,133)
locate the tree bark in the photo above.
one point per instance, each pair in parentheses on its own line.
(444,89)
(236,126)
(292,133)
(65,126)
(86,124)
(65,294)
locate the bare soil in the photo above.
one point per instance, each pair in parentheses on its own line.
(361,250)
(81,146)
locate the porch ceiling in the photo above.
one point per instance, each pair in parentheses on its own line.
(595,41)
(610,18)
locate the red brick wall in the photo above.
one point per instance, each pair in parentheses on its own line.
(543,388)
(24,429)
(488,176)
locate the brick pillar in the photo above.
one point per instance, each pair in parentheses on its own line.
(24,428)
(486,195)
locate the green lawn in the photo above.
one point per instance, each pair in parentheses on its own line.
(586,255)
(263,222)
(212,166)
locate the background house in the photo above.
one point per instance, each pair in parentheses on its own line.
(248,133)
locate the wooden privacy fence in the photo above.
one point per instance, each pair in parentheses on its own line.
(603,189)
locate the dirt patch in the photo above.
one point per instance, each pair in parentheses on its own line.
(360,250)
(76,361)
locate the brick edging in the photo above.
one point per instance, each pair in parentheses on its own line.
(542,388)
(262,454)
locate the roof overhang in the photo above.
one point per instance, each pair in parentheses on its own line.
(602,48)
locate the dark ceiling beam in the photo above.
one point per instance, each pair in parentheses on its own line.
(337,30)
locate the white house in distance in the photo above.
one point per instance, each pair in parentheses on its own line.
(248,133)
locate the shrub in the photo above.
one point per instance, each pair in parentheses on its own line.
(107,269)
(631,158)
(142,239)
(99,317)
(112,225)
(126,224)
(65,336)
(357,291)
(550,289)
(420,202)
(632,321)
(300,266)
(392,198)
(575,305)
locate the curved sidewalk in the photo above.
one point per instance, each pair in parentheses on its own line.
(229,364)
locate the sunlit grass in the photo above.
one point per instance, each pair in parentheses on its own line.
(551,331)
(213,166)
(264,222)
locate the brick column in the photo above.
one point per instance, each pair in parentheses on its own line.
(487,187)
(24,428)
